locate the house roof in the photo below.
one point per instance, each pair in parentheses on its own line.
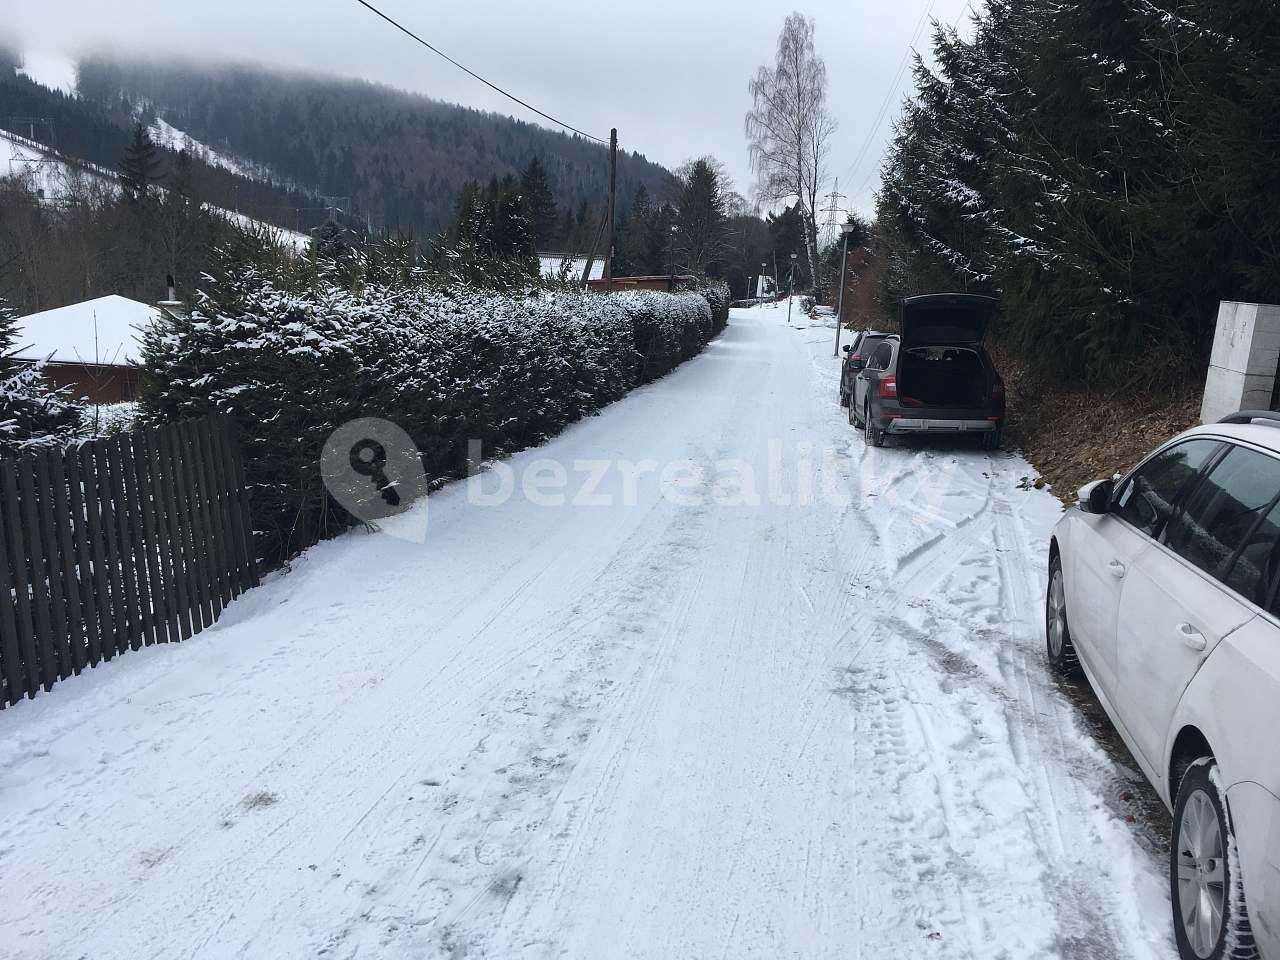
(102,332)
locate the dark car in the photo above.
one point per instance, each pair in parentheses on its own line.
(936,378)
(855,358)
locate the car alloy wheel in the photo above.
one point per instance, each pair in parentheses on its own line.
(1057,615)
(1201,874)
(1210,917)
(1057,626)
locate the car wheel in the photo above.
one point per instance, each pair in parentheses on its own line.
(853,413)
(875,436)
(1057,631)
(991,441)
(844,399)
(1210,921)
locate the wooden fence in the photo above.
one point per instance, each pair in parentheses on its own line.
(123,542)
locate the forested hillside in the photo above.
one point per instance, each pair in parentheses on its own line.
(1110,168)
(402,159)
(87,131)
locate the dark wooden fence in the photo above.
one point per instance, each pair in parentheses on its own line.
(124,542)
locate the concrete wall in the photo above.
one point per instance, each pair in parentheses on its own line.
(1246,354)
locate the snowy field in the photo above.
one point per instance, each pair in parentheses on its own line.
(788,703)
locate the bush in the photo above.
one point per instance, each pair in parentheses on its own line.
(447,366)
(718,297)
(667,329)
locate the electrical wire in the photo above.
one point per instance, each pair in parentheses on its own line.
(968,8)
(471,73)
(852,170)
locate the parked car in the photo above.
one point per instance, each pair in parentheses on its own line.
(1164,589)
(855,358)
(936,377)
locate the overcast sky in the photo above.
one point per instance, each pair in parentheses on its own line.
(671,75)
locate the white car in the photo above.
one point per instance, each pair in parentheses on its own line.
(1164,587)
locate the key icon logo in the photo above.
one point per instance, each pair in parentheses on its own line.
(369,459)
(374,470)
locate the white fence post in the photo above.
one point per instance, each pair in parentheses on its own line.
(1243,366)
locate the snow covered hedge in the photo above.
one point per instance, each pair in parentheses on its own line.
(667,329)
(448,366)
(719,298)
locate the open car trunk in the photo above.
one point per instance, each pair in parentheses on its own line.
(942,376)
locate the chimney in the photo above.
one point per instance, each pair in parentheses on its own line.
(173,306)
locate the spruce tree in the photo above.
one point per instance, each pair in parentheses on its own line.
(539,201)
(140,167)
(702,236)
(30,413)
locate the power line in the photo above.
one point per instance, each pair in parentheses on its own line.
(471,73)
(854,167)
(968,8)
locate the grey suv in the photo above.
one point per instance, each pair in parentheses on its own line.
(936,378)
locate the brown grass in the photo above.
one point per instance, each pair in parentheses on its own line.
(1074,436)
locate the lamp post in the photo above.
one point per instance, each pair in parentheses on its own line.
(846,229)
(791,284)
(675,229)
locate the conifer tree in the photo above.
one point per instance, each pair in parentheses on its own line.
(30,413)
(539,201)
(140,167)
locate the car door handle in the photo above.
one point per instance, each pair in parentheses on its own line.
(1192,637)
(1117,569)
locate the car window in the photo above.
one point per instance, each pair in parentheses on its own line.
(1228,527)
(1150,496)
(880,359)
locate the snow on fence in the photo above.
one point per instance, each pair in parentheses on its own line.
(123,542)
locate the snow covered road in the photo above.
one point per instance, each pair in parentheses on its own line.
(788,701)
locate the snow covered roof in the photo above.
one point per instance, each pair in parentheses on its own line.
(103,332)
(551,265)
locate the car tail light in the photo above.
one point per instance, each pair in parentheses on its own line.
(997,390)
(889,388)
(910,402)
(855,358)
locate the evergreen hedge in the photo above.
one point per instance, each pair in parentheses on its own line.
(447,366)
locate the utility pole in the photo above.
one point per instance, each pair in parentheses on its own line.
(846,228)
(613,196)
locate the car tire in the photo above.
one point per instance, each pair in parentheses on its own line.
(992,440)
(874,435)
(853,413)
(1057,629)
(1210,919)
(844,399)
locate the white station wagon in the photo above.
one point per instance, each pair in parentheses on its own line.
(1164,587)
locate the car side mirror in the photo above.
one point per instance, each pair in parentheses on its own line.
(847,348)
(1095,498)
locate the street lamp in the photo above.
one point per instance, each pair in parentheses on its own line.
(675,229)
(791,293)
(845,228)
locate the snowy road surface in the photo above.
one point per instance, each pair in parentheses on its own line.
(705,723)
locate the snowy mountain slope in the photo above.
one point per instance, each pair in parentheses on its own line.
(52,70)
(56,176)
(801,717)
(174,139)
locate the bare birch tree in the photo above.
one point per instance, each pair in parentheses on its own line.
(789,128)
